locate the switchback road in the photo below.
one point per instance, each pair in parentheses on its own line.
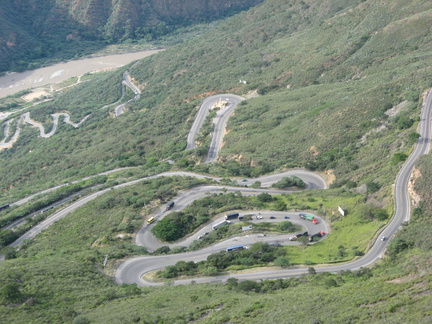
(132,270)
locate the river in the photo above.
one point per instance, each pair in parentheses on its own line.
(15,82)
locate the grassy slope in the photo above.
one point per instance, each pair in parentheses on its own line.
(59,280)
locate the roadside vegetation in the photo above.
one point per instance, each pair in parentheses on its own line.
(60,266)
(258,254)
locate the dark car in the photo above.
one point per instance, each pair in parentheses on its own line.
(272,217)
(286,217)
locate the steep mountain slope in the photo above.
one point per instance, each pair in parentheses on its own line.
(341,79)
(37,29)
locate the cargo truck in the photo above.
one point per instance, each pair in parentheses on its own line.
(170,205)
(225,222)
(319,234)
(232,216)
(308,217)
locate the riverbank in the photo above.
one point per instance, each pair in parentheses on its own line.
(15,82)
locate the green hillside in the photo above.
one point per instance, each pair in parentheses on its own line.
(341,82)
(38,32)
(334,86)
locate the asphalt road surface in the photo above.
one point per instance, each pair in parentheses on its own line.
(220,122)
(131,271)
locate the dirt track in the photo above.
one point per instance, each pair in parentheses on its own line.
(16,82)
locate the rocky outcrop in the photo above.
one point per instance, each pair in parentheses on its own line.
(414,196)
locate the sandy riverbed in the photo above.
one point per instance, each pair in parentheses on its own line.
(15,82)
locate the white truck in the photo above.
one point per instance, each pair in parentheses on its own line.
(225,222)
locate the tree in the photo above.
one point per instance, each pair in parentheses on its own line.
(248,285)
(10,293)
(404,122)
(7,237)
(265,197)
(167,230)
(372,187)
(285,226)
(398,157)
(282,262)
(330,282)
(280,205)
(287,182)
(232,283)
(256,184)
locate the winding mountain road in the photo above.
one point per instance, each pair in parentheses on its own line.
(131,271)
(9,140)
(220,121)
(127,82)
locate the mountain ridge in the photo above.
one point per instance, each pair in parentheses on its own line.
(37,29)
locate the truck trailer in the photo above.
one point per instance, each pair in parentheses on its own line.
(225,222)
(232,216)
(319,234)
(170,205)
(308,217)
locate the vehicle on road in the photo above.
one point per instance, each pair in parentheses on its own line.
(295,237)
(232,216)
(275,244)
(235,248)
(272,217)
(259,217)
(200,237)
(319,234)
(287,217)
(170,205)
(383,238)
(225,222)
(150,220)
(309,218)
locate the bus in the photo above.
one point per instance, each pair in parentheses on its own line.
(150,220)
(235,248)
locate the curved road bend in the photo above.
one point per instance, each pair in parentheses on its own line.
(147,239)
(131,271)
(126,82)
(316,182)
(203,112)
